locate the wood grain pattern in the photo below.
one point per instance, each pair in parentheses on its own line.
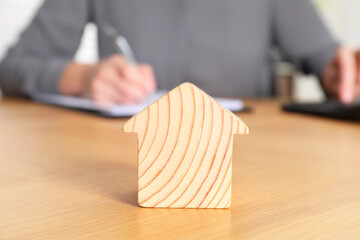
(71,175)
(186,162)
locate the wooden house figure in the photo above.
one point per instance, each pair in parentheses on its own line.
(185,142)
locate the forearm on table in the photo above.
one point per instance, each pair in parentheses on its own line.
(74,78)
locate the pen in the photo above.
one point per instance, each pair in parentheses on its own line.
(119,42)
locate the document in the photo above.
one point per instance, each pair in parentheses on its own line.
(119,110)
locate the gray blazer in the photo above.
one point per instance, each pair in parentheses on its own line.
(220,45)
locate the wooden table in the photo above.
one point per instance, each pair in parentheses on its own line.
(71,175)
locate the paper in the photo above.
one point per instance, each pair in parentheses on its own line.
(119,110)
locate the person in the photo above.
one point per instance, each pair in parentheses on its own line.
(221,46)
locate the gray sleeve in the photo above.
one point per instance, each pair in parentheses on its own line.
(303,36)
(36,61)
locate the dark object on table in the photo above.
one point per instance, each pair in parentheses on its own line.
(331,109)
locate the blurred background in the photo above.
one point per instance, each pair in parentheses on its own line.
(341,16)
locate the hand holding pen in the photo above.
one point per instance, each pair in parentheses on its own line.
(116,79)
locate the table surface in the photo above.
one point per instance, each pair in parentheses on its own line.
(71,175)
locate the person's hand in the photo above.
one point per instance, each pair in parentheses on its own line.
(341,77)
(112,80)
(116,80)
